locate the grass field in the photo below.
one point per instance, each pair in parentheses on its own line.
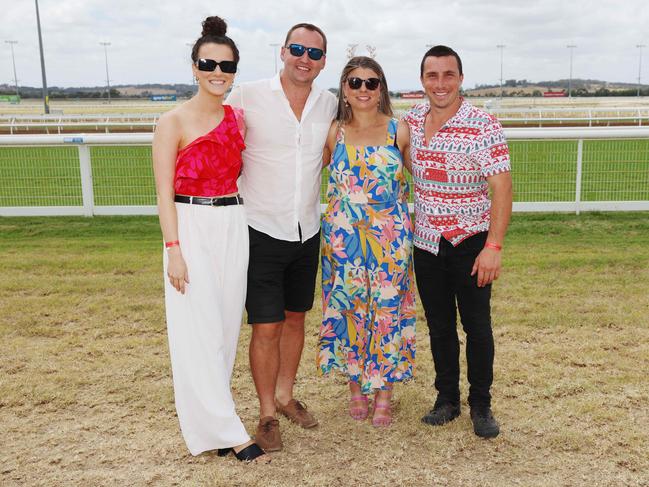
(86,396)
(613,170)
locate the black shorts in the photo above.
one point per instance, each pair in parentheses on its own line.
(281,276)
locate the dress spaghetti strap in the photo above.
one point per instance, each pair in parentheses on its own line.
(392,132)
(340,134)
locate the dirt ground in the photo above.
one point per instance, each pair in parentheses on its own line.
(86,395)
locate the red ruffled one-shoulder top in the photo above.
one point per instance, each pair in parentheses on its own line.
(210,164)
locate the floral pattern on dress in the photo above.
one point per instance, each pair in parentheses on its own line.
(368,326)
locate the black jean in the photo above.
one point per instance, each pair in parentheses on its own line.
(443,280)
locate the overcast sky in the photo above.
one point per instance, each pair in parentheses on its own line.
(149,38)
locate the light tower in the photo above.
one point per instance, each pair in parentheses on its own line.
(46,98)
(640,46)
(571,47)
(502,48)
(106,44)
(13,60)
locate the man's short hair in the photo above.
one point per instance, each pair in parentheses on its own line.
(440,51)
(311,27)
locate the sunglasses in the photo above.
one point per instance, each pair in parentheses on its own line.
(370,83)
(298,50)
(211,64)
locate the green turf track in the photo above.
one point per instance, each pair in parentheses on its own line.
(543,170)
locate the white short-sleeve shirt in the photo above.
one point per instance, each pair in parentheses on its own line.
(282,163)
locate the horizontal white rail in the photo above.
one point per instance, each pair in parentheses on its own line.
(523,133)
(77,139)
(529,116)
(572,109)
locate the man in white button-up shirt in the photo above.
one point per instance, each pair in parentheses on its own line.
(287,119)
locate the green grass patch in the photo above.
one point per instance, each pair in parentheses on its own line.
(543,170)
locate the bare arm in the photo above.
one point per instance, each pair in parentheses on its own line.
(403,141)
(488,263)
(165,151)
(330,144)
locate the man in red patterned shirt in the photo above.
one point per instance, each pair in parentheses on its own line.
(458,155)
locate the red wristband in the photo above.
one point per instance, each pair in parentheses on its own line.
(171,244)
(495,246)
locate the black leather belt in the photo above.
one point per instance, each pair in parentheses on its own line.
(200,200)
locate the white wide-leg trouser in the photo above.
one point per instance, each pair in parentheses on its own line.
(203,324)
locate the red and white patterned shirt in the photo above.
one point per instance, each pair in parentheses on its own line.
(451,190)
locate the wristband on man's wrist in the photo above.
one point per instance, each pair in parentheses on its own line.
(495,246)
(173,243)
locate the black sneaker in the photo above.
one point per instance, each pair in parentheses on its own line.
(484,423)
(442,413)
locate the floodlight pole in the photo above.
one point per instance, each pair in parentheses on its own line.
(46,98)
(571,47)
(13,60)
(106,44)
(640,46)
(275,45)
(502,48)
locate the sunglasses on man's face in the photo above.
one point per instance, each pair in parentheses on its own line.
(370,83)
(298,50)
(210,65)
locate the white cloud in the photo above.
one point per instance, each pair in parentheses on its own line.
(148,38)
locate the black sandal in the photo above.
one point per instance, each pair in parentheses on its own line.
(248,454)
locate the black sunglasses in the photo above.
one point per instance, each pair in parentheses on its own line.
(370,83)
(210,65)
(298,50)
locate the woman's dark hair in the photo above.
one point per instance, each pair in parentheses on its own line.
(344,113)
(214,29)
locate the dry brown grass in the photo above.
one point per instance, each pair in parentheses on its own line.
(86,396)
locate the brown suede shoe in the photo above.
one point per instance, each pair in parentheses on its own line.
(296,411)
(267,435)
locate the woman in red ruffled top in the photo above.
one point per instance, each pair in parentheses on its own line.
(196,161)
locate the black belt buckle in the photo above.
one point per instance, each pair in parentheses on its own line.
(227,201)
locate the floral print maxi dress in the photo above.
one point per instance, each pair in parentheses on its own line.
(368,326)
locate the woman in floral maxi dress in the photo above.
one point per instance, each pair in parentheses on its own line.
(368,327)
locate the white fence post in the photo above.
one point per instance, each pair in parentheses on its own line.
(580,160)
(87,192)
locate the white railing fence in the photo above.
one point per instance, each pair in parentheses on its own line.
(58,124)
(554,169)
(146,122)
